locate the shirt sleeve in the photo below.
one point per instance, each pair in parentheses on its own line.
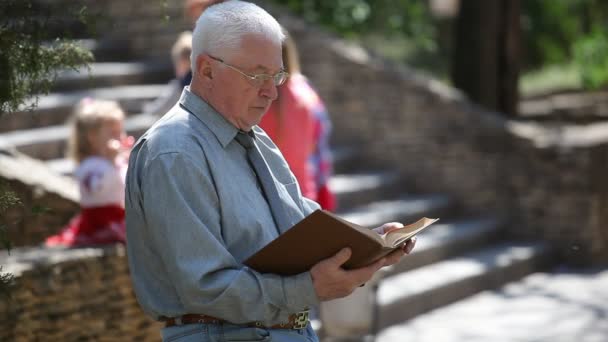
(309,206)
(182,212)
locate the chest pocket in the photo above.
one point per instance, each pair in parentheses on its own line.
(293,206)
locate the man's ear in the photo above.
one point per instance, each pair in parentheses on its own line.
(203,65)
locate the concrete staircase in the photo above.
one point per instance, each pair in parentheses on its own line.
(458,257)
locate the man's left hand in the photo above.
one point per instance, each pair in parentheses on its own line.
(407,247)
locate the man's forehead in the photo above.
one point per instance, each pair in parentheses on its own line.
(260,52)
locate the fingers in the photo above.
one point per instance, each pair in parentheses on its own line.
(387,227)
(340,258)
(394,257)
(332,281)
(361,275)
(409,245)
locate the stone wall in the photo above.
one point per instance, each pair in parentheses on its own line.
(72,295)
(546,180)
(145,29)
(47,201)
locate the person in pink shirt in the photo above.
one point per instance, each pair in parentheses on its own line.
(298,123)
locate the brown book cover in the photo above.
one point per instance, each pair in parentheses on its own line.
(320,236)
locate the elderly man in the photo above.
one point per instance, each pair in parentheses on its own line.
(207,188)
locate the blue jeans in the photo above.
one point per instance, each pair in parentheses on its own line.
(231,332)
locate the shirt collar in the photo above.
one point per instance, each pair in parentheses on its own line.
(223,130)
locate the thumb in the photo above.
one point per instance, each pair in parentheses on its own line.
(388,227)
(341,257)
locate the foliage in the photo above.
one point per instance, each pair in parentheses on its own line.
(34,47)
(31,50)
(406,30)
(552,28)
(6,281)
(591,56)
(550,78)
(359,18)
(8,199)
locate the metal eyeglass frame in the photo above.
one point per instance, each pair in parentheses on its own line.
(259,79)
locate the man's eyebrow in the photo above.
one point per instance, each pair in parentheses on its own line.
(265,69)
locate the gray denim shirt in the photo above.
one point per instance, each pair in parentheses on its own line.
(195,212)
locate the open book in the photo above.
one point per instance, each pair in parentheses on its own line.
(320,236)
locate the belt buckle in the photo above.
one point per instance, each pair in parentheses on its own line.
(301,320)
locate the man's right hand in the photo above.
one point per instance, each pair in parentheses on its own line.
(331,281)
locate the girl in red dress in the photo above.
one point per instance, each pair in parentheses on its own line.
(99,146)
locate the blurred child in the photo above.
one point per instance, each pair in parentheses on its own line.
(99,146)
(180,56)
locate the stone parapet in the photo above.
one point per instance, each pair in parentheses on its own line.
(72,295)
(47,200)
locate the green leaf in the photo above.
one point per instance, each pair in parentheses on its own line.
(38,209)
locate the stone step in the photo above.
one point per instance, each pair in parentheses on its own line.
(406,209)
(25,255)
(50,142)
(448,238)
(346,158)
(62,166)
(561,305)
(47,200)
(108,74)
(356,189)
(445,239)
(56,108)
(106,50)
(350,189)
(405,295)
(35,175)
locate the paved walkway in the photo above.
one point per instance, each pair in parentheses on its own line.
(564,305)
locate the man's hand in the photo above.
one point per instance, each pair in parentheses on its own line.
(407,248)
(331,281)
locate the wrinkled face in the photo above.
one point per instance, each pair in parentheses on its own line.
(232,94)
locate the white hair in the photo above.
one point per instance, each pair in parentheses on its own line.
(221,27)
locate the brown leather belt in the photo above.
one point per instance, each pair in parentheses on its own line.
(296,321)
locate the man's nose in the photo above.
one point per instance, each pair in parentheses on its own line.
(269,90)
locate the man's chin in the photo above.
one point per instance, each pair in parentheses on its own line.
(261,110)
(257,113)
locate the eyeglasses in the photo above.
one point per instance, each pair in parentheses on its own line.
(259,79)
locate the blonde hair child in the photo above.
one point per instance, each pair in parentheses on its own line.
(100,147)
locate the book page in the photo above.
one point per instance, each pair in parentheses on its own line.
(399,236)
